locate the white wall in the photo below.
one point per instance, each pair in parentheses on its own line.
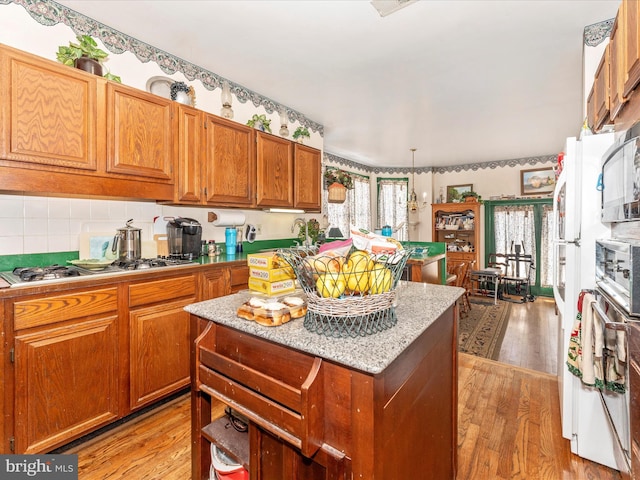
(42,224)
(30,224)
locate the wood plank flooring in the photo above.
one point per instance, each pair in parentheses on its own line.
(509,420)
(531,339)
(509,426)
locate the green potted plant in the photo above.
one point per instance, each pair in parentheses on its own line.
(301,133)
(470,197)
(337,182)
(260,122)
(86,56)
(314,231)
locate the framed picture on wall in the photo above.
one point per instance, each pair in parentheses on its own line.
(454,192)
(537,181)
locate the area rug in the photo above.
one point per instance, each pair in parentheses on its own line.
(481,330)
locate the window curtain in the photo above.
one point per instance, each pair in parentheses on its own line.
(392,205)
(355,210)
(514,225)
(546,247)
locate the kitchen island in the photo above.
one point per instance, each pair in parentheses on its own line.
(382,406)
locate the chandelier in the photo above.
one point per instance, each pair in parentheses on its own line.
(412,204)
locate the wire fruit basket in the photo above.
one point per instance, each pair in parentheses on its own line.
(351,295)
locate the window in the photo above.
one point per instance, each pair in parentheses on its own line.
(392,205)
(356,210)
(527,223)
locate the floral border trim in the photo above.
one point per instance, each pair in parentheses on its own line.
(49,13)
(343,162)
(595,34)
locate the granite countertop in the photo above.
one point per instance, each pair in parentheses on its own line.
(419,305)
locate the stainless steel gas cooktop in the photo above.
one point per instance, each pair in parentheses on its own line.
(38,275)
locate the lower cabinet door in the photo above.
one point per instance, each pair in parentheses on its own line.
(272,458)
(159,351)
(66,383)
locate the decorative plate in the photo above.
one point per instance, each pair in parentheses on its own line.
(91,263)
(160,86)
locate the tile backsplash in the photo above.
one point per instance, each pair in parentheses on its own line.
(31,224)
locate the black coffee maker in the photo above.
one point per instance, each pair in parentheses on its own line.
(184,236)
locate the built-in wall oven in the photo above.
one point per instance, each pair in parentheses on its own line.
(617,310)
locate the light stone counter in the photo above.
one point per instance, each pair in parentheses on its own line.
(419,305)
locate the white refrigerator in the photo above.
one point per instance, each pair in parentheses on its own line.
(576,227)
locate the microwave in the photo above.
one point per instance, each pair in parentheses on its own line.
(620,180)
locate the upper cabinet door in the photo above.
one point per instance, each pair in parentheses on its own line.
(601,87)
(631,15)
(48,113)
(139,134)
(190,158)
(307,178)
(616,66)
(229,169)
(274,171)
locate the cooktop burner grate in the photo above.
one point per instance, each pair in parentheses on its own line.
(144,263)
(32,274)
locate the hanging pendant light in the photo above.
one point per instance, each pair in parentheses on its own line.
(412,204)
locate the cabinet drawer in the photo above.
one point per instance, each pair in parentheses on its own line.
(161,290)
(48,310)
(279,389)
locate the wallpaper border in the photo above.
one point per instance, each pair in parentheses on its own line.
(595,34)
(343,162)
(49,13)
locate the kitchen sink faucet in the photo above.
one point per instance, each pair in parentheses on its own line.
(301,221)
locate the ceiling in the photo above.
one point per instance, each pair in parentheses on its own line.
(461,81)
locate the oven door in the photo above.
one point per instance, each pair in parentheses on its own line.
(615,397)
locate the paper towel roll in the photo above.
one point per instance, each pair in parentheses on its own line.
(226,219)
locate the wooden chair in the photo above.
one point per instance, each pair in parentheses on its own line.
(460,272)
(467,285)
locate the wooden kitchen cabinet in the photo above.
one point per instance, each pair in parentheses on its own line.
(49,114)
(458,225)
(219,282)
(273,458)
(307,178)
(159,338)
(78,358)
(617,99)
(631,16)
(238,278)
(229,161)
(139,134)
(65,367)
(216,160)
(54,121)
(316,419)
(599,97)
(190,168)
(274,171)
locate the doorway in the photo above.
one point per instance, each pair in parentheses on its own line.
(525,225)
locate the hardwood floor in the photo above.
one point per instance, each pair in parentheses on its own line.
(508,428)
(531,339)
